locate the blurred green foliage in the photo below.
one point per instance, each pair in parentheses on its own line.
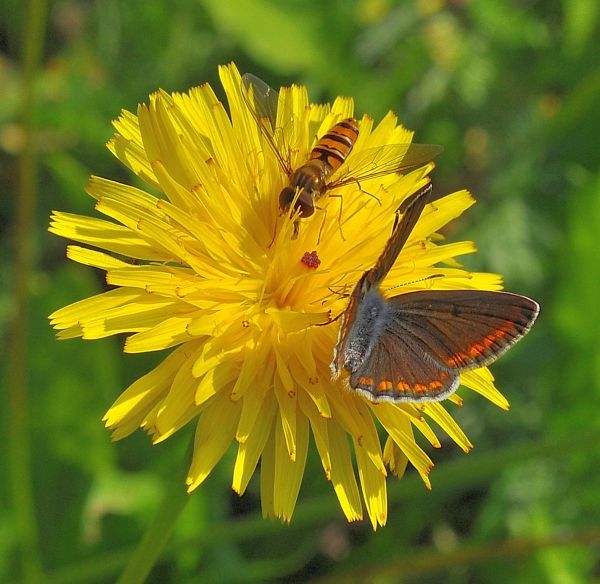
(511,89)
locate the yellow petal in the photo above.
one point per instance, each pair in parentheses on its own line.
(449,425)
(214,433)
(319,430)
(398,427)
(482,382)
(137,400)
(395,458)
(105,235)
(373,488)
(288,471)
(251,449)
(342,472)
(267,476)
(286,393)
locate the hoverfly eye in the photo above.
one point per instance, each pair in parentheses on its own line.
(306,204)
(286,197)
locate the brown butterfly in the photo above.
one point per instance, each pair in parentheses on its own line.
(413,347)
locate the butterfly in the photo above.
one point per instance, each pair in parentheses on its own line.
(413,347)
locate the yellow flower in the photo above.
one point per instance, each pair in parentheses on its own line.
(238,308)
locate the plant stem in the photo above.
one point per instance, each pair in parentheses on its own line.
(20,458)
(150,548)
(430,561)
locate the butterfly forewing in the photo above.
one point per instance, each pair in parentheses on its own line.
(462,329)
(412,209)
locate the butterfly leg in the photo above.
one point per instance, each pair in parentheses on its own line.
(330,320)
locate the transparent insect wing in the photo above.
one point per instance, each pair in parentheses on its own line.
(262,100)
(381,161)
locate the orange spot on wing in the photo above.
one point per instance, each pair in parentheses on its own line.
(476,350)
(384,385)
(456,360)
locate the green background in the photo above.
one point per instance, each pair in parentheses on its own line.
(510,89)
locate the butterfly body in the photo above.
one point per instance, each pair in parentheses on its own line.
(371,313)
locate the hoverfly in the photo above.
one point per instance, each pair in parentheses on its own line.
(310,181)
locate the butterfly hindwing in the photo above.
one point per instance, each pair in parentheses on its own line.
(397,371)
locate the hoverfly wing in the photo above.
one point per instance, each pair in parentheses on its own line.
(262,102)
(383,160)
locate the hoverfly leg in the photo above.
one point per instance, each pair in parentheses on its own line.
(296,229)
(274,234)
(367,192)
(340,214)
(322,225)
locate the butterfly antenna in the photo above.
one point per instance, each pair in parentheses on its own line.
(423,279)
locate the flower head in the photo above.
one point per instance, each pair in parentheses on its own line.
(246,299)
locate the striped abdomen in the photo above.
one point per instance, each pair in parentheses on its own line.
(326,157)
(333,148)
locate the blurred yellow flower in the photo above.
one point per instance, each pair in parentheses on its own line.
(238,308)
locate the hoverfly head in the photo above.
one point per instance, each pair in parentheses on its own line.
(302,201)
